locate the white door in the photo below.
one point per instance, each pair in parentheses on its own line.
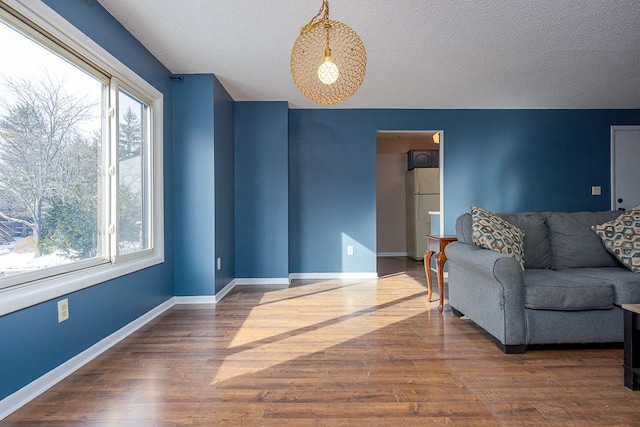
(625,167)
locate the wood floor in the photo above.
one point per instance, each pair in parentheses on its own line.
(333,353)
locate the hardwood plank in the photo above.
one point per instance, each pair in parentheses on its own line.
(333,353)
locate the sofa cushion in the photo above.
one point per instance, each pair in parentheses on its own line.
(573,242)
(537,253)
(552,290)
(626,284)
(464,229)
(621,237)
(493,232)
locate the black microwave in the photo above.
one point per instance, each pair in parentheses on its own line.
(424,159)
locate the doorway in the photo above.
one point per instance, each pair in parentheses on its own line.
(392,237)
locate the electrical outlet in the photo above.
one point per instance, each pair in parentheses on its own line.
(63,310)
(219,263)
(350,250)
(596,190)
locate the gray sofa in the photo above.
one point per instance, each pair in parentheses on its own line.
(570,290)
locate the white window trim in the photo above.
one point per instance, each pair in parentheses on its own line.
(22,296)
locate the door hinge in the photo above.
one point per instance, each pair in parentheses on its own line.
(112,229)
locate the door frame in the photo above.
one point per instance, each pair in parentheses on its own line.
(614,129)
(440,148)
(441,166)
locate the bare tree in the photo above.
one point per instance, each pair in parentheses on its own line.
(37,127)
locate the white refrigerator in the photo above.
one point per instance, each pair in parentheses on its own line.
(423,196)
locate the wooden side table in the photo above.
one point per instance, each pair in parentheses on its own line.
(436,245)
(632,346)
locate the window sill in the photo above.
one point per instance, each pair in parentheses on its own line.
(20,297)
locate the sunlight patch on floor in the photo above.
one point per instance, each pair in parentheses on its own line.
(274,329)
(273,316)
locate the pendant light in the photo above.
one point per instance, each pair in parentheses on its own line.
(328,59)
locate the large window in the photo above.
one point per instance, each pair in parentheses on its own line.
(80,157)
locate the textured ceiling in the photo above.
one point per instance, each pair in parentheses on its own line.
(421,53)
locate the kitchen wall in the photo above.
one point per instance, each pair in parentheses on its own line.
(391,204)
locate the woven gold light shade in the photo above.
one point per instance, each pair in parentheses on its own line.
(322,40)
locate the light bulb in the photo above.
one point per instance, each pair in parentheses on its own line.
(328,72)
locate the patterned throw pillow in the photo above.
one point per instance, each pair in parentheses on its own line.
(493,232)
(621,237)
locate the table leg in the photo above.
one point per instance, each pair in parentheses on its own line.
(440,260)
(632,350)
(427,272)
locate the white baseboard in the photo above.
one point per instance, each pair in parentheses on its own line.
(15,401)
(392,254)
(273,281)
(225,290)
(206,299)
(327,276)
(198,299)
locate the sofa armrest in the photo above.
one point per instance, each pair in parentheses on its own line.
(488,287)
(491,264)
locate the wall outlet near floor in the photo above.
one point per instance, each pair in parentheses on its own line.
(349,249)
(63,310)
(219,264)
(596,190)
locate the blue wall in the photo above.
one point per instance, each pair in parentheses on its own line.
(204,188)
(332,190)
(502,160)
(224,183)
(33,343)
(194,201)
(262,190)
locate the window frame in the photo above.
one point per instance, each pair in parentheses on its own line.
(115,89)
(31,293)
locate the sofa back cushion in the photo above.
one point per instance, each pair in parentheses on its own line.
(464,229)
(537,252)
(573,242)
